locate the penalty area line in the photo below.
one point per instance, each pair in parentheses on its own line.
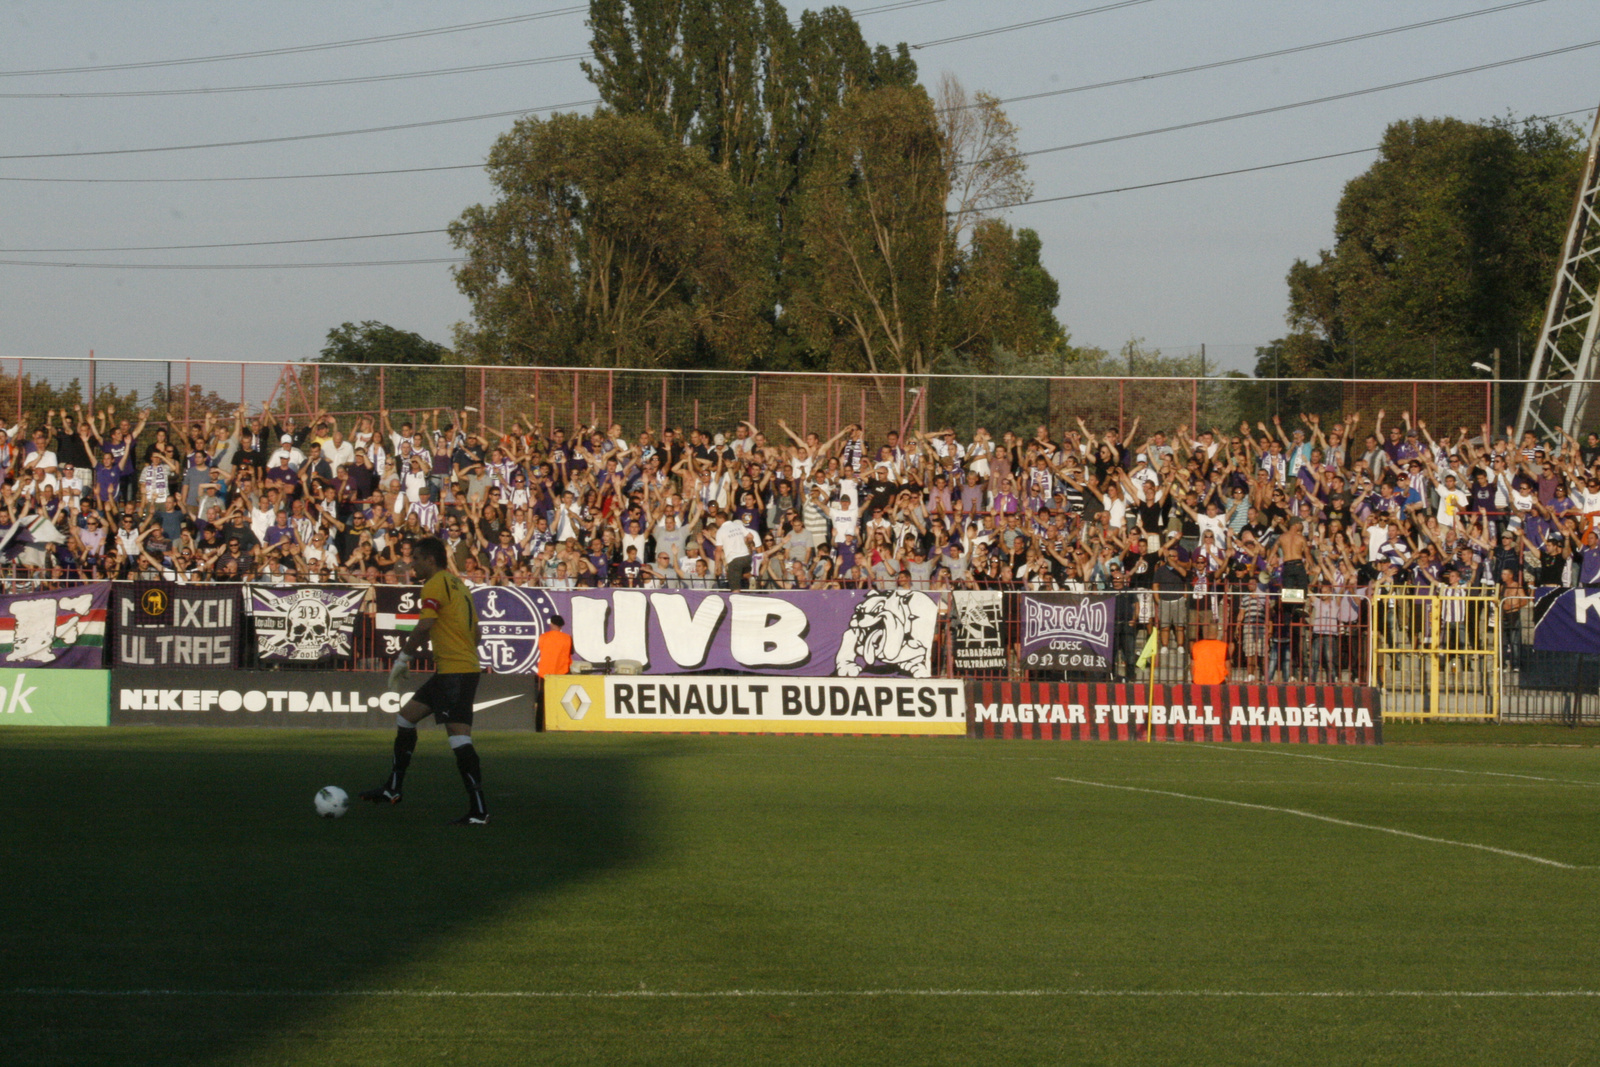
(1238,750)
(735,994)
(1337,822)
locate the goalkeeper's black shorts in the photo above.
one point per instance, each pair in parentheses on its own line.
(449,697)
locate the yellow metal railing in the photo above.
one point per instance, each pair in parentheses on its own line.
(1436,652)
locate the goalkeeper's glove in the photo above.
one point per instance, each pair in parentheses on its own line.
(400,673)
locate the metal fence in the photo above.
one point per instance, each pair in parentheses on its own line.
(185,392)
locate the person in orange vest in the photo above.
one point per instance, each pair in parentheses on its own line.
(555,656)
(1209,660)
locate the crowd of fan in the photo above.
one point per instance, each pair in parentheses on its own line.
(1328,509)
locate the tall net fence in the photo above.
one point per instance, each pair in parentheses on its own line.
(183,392)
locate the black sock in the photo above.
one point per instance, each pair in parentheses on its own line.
(405,742)
(471,777)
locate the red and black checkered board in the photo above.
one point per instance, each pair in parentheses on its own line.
(1114,711)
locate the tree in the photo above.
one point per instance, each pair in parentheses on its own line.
(1444,249)
(351,381)
(375,342)
(751,89)
(610,246)
(876,249)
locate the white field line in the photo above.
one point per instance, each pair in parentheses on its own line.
(1394,766)
(735,994)
(1337,822)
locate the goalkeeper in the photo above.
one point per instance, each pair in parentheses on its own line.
(450,622)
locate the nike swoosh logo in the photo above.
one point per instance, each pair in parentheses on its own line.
(492,703)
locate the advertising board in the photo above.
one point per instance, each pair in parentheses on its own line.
(41,696)
(1085,711)
(722,704)
(326,700)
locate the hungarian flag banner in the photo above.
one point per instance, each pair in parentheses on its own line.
(58,628)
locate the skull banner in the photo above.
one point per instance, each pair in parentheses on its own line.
(304,624)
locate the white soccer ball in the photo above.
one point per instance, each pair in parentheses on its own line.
(332,802)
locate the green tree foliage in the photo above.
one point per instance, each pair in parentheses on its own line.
(357,385)
(872,229)
(610,246)
(375,342)
(754,191)
(754,91)
(1444,249)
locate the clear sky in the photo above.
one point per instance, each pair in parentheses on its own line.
(1178,265)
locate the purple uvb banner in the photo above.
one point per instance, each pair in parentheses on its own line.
(817,633)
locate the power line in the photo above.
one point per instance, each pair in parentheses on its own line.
(1267,55)
(1030,24)
(225,244)
(224,266)
(1252,170)
(1306,103)
(293,49)
(409,233)
(246,177)
(299,136)
(318,83)
(368,79)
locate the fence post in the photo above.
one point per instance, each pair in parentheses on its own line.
(805,411)
(242,396)
(382,391)
(753,380)
(19,393)
(828,433)
(186,373)
(863,409)
(902,420)
(611,397)
(483,396)
(316,388)
(1122,389)
(575,413)
(1194,406)
(663,403)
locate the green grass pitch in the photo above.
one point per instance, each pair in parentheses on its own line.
(171,899)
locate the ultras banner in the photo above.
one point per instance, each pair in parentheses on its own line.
(844,633)
(747,704)
(303,624)
(1067,631)
(1102,711)
(60,628)
(165,625)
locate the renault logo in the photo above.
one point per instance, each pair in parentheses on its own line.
(576,701)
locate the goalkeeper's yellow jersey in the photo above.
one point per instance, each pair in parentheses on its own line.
(446,599)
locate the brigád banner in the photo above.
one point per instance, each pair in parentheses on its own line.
(1567,620)
(59,628)
(1067,631)
(303,624)
(817,633)
(168,625)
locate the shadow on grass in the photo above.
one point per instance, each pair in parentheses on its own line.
(190,860)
